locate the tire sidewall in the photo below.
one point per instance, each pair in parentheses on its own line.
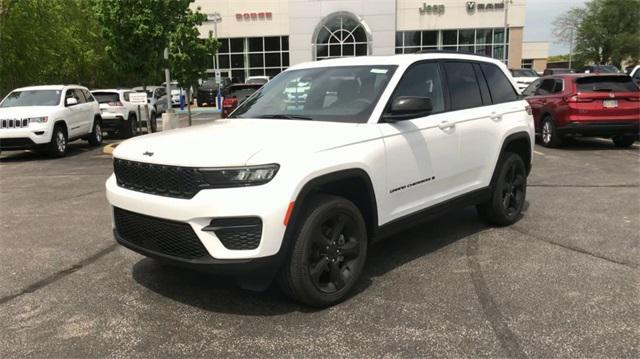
(300,255)
(96,133)
(503,218)
(53,145)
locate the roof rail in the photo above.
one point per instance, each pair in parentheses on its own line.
(432,51)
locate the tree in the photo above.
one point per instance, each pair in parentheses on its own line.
(188,53)
(566,27)
(137,31)
(51,41)
(608,31)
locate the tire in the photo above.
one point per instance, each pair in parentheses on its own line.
(549,134)
(624,141)
(59,142)
(95,137)
(131,127)
(152,126)
(324,266)
(508,193)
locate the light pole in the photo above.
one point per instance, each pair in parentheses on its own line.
(216,18)
(506,28)
(167,79)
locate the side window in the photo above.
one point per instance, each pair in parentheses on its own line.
(499,85)
(484,88)
(636,76)
(532,88)
(75,94)
(463,85)
(558,86)
(546,87)
(423,80)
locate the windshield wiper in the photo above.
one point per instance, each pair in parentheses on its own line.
(287,117)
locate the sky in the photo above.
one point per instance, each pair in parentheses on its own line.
(539,19)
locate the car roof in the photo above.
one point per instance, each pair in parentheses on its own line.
(399,60)
(148,87)
(48,87)
(112,90)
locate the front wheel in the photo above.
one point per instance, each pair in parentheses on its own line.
(328,255)
(508,193)
(95,137)
(623,141)
(58,145)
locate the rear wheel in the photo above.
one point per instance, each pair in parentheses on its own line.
(131,127)
(624,141)
(58,145)
(328,255)
(549,134)
(95,137)
(508,193)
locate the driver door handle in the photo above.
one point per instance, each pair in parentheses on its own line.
(446,124)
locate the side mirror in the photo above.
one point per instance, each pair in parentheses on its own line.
(407,107)
(71,101)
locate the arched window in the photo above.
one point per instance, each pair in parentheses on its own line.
(341,34)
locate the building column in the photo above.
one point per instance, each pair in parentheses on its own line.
(515,47)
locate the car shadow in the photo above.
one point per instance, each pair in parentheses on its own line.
(73,149)
(593,144)
(217,294)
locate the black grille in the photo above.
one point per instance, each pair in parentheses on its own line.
(162,180)
(238,233)
(20,142)
(172,238)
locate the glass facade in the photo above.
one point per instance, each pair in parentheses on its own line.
(488,42)
(527,63)
(241,57)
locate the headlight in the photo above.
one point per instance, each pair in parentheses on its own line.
(239,176)
(38,119)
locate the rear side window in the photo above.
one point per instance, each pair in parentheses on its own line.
(546,87)
(463,85)
(557,87)
(499,85)
(606,84)
(88,96)
(423,80)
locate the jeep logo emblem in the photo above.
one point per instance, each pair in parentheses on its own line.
(147,153)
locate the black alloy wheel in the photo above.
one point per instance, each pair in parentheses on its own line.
(329,252)
(508,193)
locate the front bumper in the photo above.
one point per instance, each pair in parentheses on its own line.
(206,205)
(601,128)
(25,138)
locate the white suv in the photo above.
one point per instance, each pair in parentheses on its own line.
(299,192)
(120,115)
(46,118)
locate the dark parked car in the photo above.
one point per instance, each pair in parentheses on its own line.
(235,94)
(594,105)
(208,91)
(557,71)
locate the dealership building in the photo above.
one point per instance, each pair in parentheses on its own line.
(264,37)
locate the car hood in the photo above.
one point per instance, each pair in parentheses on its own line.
(237,142)
(26,111)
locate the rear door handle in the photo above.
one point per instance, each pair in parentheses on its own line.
(446,124)
(495,116)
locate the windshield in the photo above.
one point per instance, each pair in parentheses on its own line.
(524,73)
(606,84)
(32,98)
(336,94)
(106,97)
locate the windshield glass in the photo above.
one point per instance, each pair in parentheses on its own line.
(606,84)
(106,97)
(32,98)
(524,73)
(336,94)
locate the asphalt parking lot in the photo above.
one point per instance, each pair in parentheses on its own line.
(562,282)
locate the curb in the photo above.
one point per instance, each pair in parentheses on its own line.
(108,149)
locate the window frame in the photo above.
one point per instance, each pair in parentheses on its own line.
(445,90)
(471,62)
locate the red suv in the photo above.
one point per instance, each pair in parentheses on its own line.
(594,105)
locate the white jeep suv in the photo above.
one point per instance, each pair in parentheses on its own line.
(46,118)
(298,193)
(120,115)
